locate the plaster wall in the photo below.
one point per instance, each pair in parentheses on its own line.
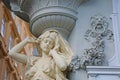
(76,39)
(87,10)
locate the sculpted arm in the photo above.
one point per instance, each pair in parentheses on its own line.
(59,60)
(15,51)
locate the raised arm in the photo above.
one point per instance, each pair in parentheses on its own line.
(59,60)
(15,51)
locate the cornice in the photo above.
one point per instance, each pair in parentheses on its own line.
(103,70)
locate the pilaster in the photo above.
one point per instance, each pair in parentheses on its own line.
(115,60)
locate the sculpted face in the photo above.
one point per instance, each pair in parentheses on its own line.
(47,44)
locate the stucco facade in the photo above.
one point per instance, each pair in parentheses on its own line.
(78,22)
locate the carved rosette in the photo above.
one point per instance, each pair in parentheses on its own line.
(47,14)
(96,35)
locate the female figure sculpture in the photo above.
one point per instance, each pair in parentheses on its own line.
(55,56)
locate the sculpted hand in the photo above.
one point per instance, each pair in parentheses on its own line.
(52,52)
(55,49)
(57,45)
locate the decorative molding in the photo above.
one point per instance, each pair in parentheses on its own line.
(94,75)
(103,70)
(59,22)
(99,29)
(72,4)
(60,14)
(96,34)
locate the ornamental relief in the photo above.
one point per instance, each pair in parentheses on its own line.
(73,4)
(96,35)
(99,29)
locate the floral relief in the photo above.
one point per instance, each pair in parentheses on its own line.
(96,34)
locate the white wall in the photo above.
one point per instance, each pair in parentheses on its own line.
(76,39)
(86,10)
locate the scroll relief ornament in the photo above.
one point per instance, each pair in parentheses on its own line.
(96,34)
